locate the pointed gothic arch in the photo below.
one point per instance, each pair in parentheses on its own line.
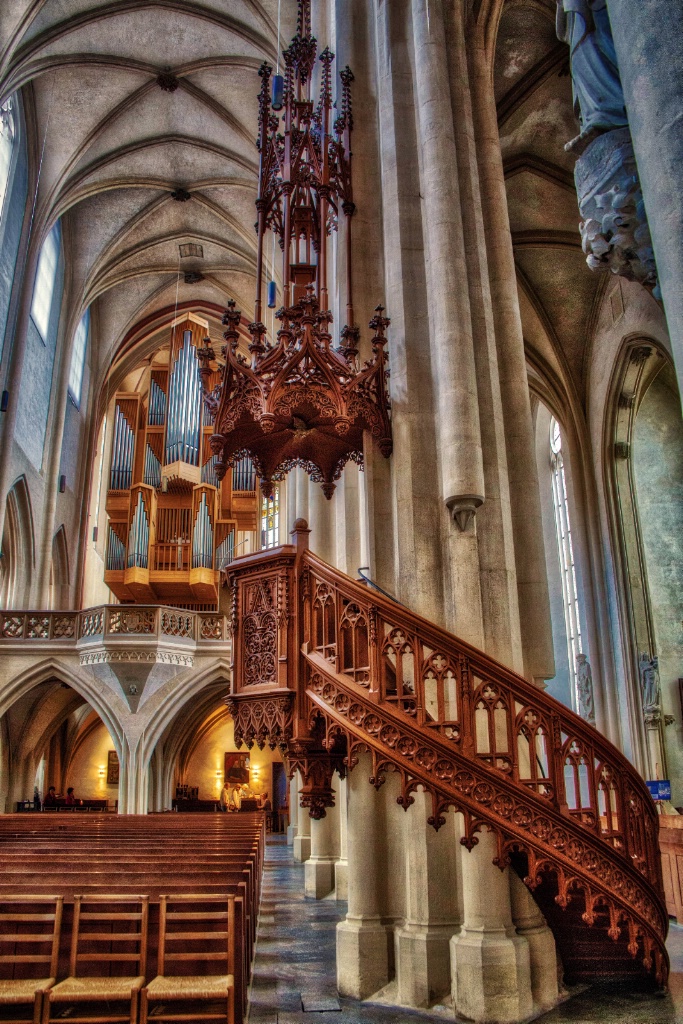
(17,548)
(59,571)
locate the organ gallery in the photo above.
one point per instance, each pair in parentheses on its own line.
(340,511)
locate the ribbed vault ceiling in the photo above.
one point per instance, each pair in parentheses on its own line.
(115,146)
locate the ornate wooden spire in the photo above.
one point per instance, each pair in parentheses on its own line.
(301,401)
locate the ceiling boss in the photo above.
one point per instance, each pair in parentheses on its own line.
(300,401)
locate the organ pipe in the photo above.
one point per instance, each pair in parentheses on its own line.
(116,552)
(138,537)
(122,453)
(184,407)
(244,475)
(202,538)
(209,472)
(152,471)
(157,405)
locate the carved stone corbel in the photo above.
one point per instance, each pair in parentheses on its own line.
(614,229)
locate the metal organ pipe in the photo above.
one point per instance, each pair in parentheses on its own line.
(202,538)
(122,453)
(138,537)
(184,407)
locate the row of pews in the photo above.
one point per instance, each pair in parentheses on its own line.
(117,918)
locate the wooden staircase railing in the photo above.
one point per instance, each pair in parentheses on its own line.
(325,667)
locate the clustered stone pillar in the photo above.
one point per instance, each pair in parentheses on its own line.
(491,963)
(319,868)
(462,475)
(362,952)
(525,502)
(302,839)
(294,810)
(423,965)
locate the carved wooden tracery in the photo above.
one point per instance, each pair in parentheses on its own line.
(566,807)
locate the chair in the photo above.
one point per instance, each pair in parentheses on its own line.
(188,929)
(32,921)
(104,930)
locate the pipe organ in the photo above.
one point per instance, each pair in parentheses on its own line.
(173,525)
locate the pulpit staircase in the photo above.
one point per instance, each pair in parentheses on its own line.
(324,668)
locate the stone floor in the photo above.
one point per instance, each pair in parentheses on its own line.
(294,973)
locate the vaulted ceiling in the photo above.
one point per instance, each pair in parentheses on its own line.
(535,119)
(143,119)
(147,115)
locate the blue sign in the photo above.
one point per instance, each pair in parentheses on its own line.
(660,789)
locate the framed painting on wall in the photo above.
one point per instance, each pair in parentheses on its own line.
(236,768)
(112,768)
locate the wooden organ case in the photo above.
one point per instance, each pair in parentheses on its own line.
(173,525)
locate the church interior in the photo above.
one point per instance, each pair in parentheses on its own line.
(341,511)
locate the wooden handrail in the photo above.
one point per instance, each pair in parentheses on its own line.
(483,739)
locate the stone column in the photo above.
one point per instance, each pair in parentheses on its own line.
(341,867)
(302,839)
(423,966)
(301,486)
(321,513)
(450,322)
(52,463)
(294,810)
(347,522)
(532,584)
(649,45)
(531,925)
(355,45)
(319,868)
(362,949)
(490,962)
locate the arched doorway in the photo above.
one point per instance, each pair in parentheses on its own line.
(51,736)
(197,754)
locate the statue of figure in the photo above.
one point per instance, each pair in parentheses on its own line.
(649,685)
(598,96)
(584,678)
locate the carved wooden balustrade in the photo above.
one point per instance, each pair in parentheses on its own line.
(325,667)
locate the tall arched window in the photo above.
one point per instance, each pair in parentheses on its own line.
(565,546)
(270,520)
(44,286)
(7,134)
(78,359)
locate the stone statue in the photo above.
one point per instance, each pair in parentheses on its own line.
(598,96)
(650,688)
(584,678)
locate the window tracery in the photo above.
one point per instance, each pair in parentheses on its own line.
(7,137)
(565,545)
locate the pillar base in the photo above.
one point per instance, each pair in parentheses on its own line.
(423,964)
(491,977)
(362,957)
(302,848)
(291,834)
(318,877)
(341,879)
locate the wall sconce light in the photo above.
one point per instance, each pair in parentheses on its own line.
(218,773)
(102,771)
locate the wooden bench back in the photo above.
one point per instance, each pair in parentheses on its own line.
(206,922)
(30,930)
(104,929)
